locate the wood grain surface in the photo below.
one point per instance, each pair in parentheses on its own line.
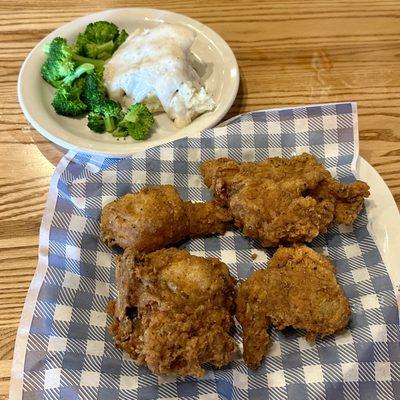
(289,53)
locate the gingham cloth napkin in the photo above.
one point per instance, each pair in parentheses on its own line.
(64,350)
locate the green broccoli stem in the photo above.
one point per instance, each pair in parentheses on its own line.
(83,60)
(83,68)
(104,50)
(46,48)
(109,123)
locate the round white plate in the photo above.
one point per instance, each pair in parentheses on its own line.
(220,77)
(384,220)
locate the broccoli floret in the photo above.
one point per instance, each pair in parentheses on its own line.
(59,63)
(80,83)
(67,100)
(101,32)
(99,40)
(137,122)
(94,50)
(93,91)
(111,112)
(96,122)
(94,96)
(105,117)
(123,35)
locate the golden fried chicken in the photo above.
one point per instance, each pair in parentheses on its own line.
(298,289)
(283,201)
(173,311)
(347,199)
(156,217)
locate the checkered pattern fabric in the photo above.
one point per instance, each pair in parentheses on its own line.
(70,354)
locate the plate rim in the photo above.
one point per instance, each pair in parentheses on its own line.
(185,132)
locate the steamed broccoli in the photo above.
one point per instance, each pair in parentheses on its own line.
(100,40)
(93,91)
(67,100)
(96,122)
(61,71)
(98,64)
(136,123)
(111,111)
(84,68)
(123,35)
(61,64)
(95,98)
(64,69)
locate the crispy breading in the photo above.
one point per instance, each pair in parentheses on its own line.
(148,220)
(348,199)
(218,175)
(298,289)
(207,218)
(156,217)
(173,311)
(278,213)
(283,201)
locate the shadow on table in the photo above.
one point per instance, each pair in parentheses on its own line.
(238,106)
(52,152)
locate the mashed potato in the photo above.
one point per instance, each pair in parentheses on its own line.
(154,66)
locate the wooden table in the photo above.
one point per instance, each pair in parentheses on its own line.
(289,53)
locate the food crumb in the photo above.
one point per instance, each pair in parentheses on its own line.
(253,256)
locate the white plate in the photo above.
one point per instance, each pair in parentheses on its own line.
(221,79)
(384,220)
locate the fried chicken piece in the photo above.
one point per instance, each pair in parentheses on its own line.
(206,218)
(348,199)
(156,217)
(278,213)
(283,201)
(298,289)
(218,176)
(173,311)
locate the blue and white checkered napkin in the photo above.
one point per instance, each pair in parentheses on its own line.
(64,350)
